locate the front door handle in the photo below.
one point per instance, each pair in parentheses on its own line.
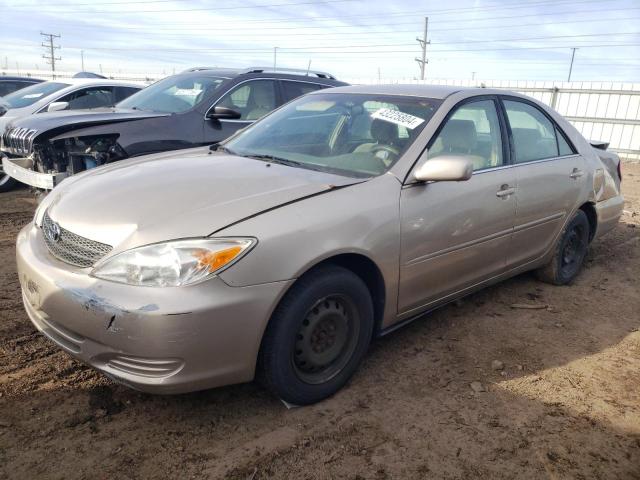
(505,191)
(576,173)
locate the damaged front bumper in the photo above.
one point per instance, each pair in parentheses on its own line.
(22,170)
(159,340)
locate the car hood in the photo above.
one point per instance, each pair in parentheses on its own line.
(178,195)
(72,119)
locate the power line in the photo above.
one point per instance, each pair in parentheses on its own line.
(521,39)
(324,27)
(367,45)
(306,50)
(241,7)
(431,12)
(370,32)
(103,3)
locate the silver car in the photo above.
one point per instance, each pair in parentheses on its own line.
(66,94)
(282,252)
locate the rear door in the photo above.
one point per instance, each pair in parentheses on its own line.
(291,89)
(548,175)
(457,234)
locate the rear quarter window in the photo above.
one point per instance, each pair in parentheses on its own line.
(291,89)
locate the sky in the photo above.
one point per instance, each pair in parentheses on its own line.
(481,39)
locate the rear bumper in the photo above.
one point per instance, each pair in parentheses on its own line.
(159,340)
(21,169)
(608,213)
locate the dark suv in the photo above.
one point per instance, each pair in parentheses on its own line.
(197,107)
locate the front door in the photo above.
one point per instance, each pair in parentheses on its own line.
(549,175)
(252,99)
(456,234)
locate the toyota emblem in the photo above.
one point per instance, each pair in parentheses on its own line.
(52,231)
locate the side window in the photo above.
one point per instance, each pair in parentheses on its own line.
(293,90)
(8,87)
(93,97)
(473,131)
(534,135)
(563,145)
(5,88)
(252,99)
(123,92)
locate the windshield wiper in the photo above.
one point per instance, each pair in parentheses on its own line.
(274,159)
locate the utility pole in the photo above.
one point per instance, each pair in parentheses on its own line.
(573,54)
(423,44)
(82,59)
(473,76)
(50,57)
(275,57)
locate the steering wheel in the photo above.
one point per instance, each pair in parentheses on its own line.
(388,149)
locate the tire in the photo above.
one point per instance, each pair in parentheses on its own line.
(6,182)
(569,253)
(317,336)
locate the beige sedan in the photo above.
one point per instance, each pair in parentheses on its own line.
(283,251)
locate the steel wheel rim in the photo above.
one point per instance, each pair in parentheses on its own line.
(4,178)
(326,339)
(572,252)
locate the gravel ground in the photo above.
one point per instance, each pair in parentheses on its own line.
(556,392)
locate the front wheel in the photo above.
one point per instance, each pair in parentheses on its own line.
(317,336)
(570,252)
(6,182)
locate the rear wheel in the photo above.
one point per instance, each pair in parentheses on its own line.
(570,252)
(317,336)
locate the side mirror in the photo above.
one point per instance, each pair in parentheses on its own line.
(445,168)
(57,106)
(224,113)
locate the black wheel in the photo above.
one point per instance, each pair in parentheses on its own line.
(569,253)
(6,182)
(317,336)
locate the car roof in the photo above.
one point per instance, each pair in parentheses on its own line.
(285,73)
(22,79)
(439,92)
(98,81)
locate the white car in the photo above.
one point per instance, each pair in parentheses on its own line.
(63,94)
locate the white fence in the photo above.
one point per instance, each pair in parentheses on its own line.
(603,111)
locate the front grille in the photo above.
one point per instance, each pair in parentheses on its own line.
(71,248)
(18,141)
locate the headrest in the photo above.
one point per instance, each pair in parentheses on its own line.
(459,136)
(526,136)
(263,95)
(384,132)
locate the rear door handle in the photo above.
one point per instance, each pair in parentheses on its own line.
(505,191)
(576,173)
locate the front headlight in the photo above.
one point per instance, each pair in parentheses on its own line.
(173,264)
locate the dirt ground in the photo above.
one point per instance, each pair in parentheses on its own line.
(566,404)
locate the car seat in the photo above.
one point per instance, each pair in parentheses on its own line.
(262,101)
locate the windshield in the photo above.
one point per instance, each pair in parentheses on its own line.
(351,134)
(174,94)
(30,95)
